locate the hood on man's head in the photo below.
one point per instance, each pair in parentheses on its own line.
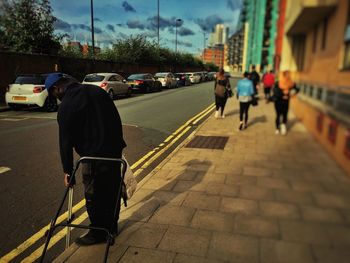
(51,79)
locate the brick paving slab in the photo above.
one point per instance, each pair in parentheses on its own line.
(211,220)
(327,215)
(256,193)
(263,198)
(137,254)
(184,240)
(327,254)
(276,251)
(257,226)
(234,248)
(279,210)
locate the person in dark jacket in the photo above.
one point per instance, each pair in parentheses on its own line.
(255,78)
(283,90)
(90,124)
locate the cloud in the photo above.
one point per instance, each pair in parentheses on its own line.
(234,4)
(98,30)
(183,31)
(128,7)
(97,19)
(135,24)
(209,22)
(81,26)
(120,25)
(152,22)
(110,27)
(62,25)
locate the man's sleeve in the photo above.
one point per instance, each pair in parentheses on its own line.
(66,145)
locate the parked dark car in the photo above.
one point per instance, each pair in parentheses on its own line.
(183,79)
(144,82)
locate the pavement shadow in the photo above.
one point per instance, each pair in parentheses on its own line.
(232,112)
(149,204)
(292,122)
(255,120)
(173,191)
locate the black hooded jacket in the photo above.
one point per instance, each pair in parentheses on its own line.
(90,123)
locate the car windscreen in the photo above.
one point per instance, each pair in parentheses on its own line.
(136,76)
(36,80)
(94,78)
(162,75)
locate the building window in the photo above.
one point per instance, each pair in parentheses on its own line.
(298,50)
(332,131)
(324,33)
(347,42)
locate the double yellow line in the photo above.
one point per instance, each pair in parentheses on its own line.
(146,160)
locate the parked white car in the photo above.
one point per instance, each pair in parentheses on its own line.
(112,83)
(30,90)
(167,79)
(195,77)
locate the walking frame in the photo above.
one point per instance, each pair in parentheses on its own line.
(69,191)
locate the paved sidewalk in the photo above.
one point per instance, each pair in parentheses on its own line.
(263,198)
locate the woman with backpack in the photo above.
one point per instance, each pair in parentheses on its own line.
(222,89)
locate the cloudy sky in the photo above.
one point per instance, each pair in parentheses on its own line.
(114,19)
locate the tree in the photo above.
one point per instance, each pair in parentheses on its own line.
(27,26)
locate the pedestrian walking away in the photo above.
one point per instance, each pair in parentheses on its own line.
(283,90)
(221,90)
(245,93)
(268,81)
(255,78)
(90,124)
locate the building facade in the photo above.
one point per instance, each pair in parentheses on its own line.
(316,49)
(219,36)
(235,51)
(215,54)
(259,21)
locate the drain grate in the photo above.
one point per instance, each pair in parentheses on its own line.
(208,142)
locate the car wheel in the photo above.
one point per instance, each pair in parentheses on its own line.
(128,93)
(50,104)
(148,89)
(111,94)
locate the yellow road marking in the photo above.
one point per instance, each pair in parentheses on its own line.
(205,114)
(146,164)
(61,234)
(30,241)
(33,239)
(4,169)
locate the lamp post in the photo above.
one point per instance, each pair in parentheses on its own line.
(158,21)
(92,29)
(177,20)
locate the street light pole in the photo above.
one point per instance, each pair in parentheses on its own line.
(158,23)
(177,20)
(92,30)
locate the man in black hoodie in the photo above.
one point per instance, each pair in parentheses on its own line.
(90,124)
(255,78)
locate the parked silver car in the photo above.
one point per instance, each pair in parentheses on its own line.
(167,79)
(112,83)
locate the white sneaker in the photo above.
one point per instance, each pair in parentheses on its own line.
(283,129)
(223,116)
(216,114)
(277,131)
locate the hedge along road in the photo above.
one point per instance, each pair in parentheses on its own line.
(153,124)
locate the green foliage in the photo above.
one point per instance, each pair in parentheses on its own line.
(70,51)
(27,26)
